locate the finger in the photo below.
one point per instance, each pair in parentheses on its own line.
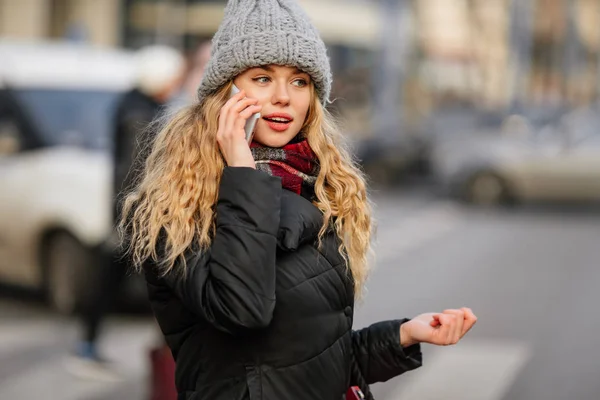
(469,320)
(234,99)
(458,324)
(244,115)
(446,329)
(435,321)
(227,107)
(231,102)
(250,111)
(440,319)
(232,114)
(234,123)
(451,329)
(222,120)
(242,105)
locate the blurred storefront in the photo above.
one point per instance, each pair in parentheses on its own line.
(477,53)
(340,21)
(487,53)
(566,52)
(93,21)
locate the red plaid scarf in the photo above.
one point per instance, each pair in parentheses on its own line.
(295,163)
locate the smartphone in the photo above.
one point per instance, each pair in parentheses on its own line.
(251,122)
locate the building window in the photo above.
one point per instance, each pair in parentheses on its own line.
(59,17)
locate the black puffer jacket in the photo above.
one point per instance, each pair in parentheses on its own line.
(265,314)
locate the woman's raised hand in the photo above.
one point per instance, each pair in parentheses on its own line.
(230,135)
(441,329)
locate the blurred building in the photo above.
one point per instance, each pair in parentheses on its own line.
(566,51)
(489,53)
(340,21)
(136,22)
(92,21)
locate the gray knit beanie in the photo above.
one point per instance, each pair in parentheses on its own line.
(263,32)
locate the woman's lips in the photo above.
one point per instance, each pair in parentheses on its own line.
(278,122)
(278,126)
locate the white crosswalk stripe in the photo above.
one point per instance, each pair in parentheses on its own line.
(49,379)
(473,370)
(406,233)
(18,335)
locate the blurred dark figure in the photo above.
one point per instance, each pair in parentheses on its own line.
(160,72)
(197,61)
(16,131)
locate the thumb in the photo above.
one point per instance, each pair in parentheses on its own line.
(435,321)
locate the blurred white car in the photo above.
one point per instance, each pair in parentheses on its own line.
(558,162)
(56,103)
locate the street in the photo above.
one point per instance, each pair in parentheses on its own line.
(530,274)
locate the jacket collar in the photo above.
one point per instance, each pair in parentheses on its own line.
(300,221)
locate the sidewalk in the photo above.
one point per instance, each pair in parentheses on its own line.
(34,345)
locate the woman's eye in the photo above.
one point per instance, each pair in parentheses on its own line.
(300,82)
(262,79)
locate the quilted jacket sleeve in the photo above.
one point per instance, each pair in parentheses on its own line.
(232,286)
(379,354)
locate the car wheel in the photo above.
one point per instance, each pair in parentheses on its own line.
(68,264)
(487,189)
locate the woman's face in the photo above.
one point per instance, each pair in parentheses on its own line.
(285,94)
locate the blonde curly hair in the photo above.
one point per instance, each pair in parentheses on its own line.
(177,191)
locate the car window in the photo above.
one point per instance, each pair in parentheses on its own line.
(548,134)
(15,133)
(581,127)
(71,117)
(10,137)
(592,139)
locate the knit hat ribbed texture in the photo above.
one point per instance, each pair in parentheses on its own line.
(263,32)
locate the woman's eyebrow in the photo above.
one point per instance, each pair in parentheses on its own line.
(298,71)
(267,68)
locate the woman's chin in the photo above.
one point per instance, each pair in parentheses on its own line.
(273,139)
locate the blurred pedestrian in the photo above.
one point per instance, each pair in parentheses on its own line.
(197,61)
(160,74)
(160,71)
(254,252)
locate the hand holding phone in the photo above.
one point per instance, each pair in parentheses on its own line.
(231,138)
(250,122)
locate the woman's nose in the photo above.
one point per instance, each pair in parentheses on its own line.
(281,95)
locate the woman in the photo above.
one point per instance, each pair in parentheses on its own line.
(254,254)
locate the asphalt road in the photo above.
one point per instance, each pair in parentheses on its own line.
(530,274)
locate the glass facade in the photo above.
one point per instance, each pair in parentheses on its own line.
(161,21)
